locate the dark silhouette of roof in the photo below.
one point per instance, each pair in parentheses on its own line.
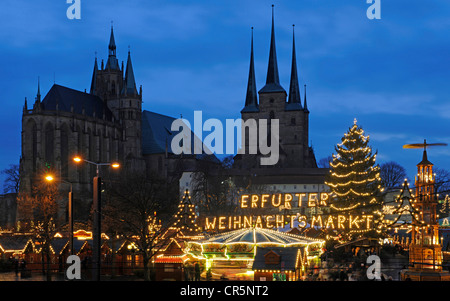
(63,99)
(288,258)
(157,136)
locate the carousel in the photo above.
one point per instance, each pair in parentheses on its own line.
(231,255)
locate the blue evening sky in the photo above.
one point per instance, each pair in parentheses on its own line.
(391,74)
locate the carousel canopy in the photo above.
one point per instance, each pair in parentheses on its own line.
(259,236)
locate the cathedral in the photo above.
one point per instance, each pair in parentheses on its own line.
(106,124)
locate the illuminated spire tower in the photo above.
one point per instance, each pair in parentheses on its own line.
(425,250)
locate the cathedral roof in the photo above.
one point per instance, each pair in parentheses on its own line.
(62,99)
(156,133)
(157,136)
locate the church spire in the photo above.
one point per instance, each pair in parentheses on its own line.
(94,78)
(305,106)
(294,100)
(130,83)
(112,43)
(38,95)
(251,99)
(272,80)
(112,63)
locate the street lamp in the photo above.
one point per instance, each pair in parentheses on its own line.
(50,178)
(96,231)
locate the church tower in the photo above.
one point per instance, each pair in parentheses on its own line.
(274,103)
(117,88)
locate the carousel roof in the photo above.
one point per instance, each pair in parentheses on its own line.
(259,236)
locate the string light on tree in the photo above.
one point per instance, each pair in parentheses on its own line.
(186,217)
(354,177)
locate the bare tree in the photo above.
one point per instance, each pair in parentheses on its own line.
(325,162)
(12,180)
(38,214)
(392,174)
(214,190)
(442,181)
(135,205)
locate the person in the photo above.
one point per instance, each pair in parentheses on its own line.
(197,271)
(16,266)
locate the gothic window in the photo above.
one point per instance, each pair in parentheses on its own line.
(112,152)
(81,152)
(64,143)
(30,143)
(34,145)
(113,87)
(92,152)
(269,128)
(293,121)
(100,146)
(160,167)
(49,144)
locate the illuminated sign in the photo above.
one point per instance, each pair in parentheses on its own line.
(331,221)
(288,201)
(284,200)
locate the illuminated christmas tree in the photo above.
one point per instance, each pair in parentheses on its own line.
(186,217)
(354,178)
(445,209)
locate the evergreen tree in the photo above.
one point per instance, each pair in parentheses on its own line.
(354,178)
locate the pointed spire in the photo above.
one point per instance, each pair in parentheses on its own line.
(94,77)
(130,83)
(305,106)
(25,106)
(294,100)
(112,63)
(112,43)
(272,80)
(38,95)
(251,99)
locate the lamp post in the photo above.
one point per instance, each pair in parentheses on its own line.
(96,229)
(50,178)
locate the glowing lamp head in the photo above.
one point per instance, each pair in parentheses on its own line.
(115,165)
(77,159)
(49,178)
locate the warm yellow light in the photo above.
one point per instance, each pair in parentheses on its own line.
(77,159)
(49,178)
(115,165)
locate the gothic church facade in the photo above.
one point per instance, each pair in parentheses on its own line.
(273,102)
(106,124)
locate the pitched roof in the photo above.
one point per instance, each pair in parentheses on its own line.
(157,136)
(288,258)
(14,242)
(64,98)
(156,133)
